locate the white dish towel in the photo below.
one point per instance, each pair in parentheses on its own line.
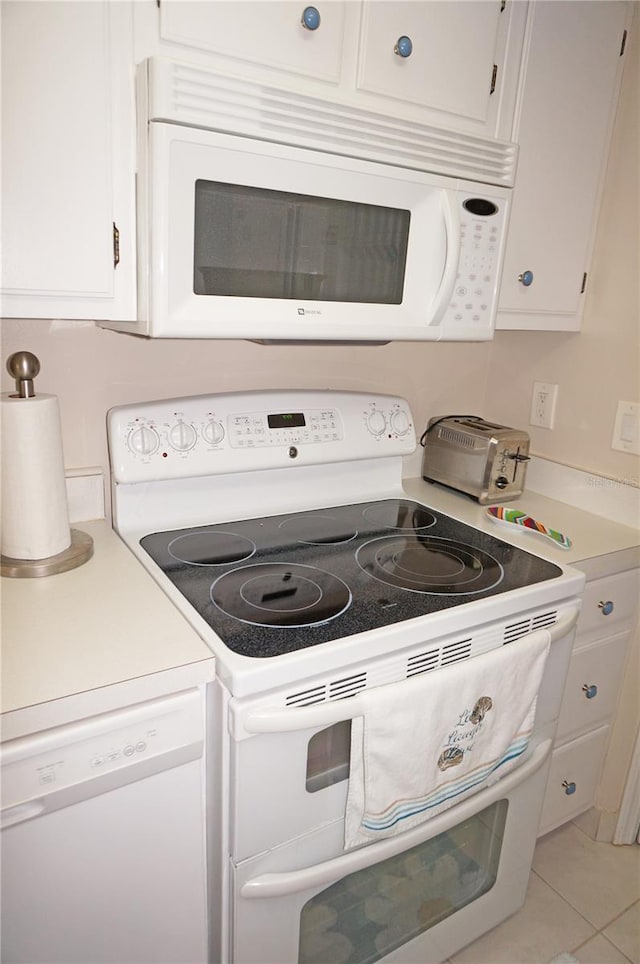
(424,744)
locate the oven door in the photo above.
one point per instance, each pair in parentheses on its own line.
(419,896)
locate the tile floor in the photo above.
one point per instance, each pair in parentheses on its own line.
(583,900)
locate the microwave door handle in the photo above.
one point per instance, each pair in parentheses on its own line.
(282,884)
(450,269)
(269,719)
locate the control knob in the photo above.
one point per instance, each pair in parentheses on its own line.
(143,440)
(376,422)
(400,423)
(182,436)
(213,432)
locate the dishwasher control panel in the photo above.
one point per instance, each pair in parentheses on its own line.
(63,765)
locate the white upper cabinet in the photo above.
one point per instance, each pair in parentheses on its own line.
(448,64)
(571,73)
(438,55)
(268,33)
(67,162)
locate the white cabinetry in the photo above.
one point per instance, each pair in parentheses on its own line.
(67,160)
(570,79)
(453,65)
(590,697)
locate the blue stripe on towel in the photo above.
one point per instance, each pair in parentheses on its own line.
(401,811)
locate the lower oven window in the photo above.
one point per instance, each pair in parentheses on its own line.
(365,916)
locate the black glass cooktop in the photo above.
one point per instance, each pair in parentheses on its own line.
(281,583)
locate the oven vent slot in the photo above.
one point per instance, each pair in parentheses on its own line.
(317,694)
(454,652)
(515,630)
(423,662)
(339,689)
(544,619)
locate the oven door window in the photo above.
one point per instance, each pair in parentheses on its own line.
(256,243)
(368,914)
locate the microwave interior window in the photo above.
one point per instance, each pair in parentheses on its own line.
(255,243)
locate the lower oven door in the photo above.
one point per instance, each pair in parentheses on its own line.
(419,896)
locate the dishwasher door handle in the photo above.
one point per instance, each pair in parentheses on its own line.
(21,812)
(268,719)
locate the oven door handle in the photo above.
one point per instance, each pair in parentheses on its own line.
(282,884)
(268,719)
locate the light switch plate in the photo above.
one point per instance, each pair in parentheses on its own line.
(626,432)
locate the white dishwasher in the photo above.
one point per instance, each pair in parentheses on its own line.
(103,838)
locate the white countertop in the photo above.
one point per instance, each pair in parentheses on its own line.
(599,546)
(106,622)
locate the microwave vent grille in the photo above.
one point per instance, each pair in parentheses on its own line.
(199,97)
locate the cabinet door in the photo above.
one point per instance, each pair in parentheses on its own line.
(449,62)
(268,33)
(570,82)
(63,124)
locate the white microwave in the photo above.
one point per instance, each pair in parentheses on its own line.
(242,236)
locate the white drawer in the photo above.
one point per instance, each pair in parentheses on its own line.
(573,779)
(608,602)
(593,684)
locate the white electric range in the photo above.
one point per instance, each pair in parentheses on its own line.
(277,523)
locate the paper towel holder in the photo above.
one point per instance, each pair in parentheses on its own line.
(23,366)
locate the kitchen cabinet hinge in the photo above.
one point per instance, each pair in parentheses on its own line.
(584,283)
(116,245)
(624,42)
(494,77)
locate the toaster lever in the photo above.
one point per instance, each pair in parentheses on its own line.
(517,457)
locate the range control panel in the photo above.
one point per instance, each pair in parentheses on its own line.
(213,434)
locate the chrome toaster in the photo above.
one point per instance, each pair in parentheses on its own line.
(487,461)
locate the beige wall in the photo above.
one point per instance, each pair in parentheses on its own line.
(92,369)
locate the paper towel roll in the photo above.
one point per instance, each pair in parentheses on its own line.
(35,515)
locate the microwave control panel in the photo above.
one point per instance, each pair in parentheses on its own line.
(473,303)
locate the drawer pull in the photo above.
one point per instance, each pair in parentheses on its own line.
(569,788)
(526,278)
(606,607)
(310,18)
(403,47)
(590,691)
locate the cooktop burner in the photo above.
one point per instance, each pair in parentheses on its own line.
(272,585)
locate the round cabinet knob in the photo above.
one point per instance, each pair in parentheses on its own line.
(526,278)
(213,432)
(182,437)
(310,18)
(376,422)
(403,47)
(400,423)
(590,691)
(569,788)
(143,440)
(606,607)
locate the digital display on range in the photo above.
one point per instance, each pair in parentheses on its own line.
(286,420)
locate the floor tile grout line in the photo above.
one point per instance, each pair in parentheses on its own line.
(575,951)
(569,904)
